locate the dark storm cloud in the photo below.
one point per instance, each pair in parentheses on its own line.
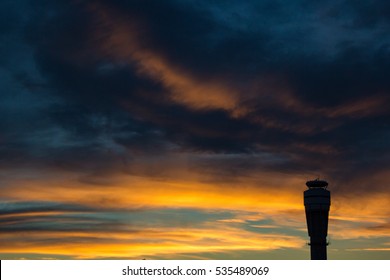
(370,13)
(312,78)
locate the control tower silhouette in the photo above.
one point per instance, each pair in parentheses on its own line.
(317,204)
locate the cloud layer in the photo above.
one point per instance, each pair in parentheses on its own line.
(117,106)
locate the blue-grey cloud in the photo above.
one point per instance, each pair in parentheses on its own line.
(312,74)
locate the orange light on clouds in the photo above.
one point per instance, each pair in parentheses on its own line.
(142,192)
(149,242)
(123,43)
(261,214)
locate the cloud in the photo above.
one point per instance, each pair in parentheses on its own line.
(222,106)
(80,234)
(151,242)
(121,85)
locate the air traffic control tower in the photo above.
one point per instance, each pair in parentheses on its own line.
(317,204)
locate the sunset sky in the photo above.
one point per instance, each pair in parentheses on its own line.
(186,129)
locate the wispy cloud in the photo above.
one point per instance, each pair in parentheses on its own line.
(189,128)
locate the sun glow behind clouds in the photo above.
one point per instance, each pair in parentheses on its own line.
(145,217)
(151,242)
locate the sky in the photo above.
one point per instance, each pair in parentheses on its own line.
(186,129)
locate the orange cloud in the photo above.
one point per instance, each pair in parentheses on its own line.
(144,241)
(138,192)
(266,203)
(123,43)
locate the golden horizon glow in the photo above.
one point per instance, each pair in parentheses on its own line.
(277,209)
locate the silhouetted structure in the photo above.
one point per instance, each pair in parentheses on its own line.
(317,204)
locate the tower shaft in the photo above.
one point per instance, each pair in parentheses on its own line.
(317,205)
